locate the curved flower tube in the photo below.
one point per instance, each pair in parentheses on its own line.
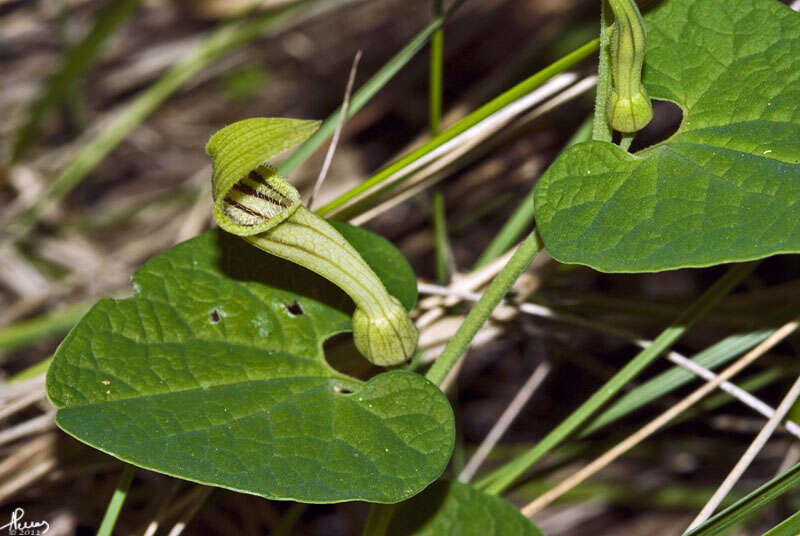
(251,200)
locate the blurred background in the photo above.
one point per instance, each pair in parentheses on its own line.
(106,108)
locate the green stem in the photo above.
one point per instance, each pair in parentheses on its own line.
(289,519)
(484,307)
(380,516)
(444,264)
(500,479)
(521,89)
(117,500)
(436,76)
(626,141)
(601,131)
(442,255)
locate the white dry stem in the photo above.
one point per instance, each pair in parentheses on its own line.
(790,459)
(30,427)
(558,90)
(10,391)
(569,517)
(326,164)
(500,117)
(664,418)
(461,283)
(440,333)
(199,215)
(737,392)
(31,461)
(748,457)
(21,403)
(198,499)
(502,424)
(167,507)
(19,275)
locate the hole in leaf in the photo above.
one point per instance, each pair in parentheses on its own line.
(667,117)
(342,390)
(342,355)
(294,308)
(214,317)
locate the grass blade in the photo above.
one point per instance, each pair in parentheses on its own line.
(665,383)
(220,41)
(523,214)
(743,509)
(521,89)
(443,252)
(76,62)
(363,95)
(31,330)
(789,527)
(503,477)
(117,500)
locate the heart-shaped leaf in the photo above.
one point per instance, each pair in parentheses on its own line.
(456,509)
(726,186)
(214,372)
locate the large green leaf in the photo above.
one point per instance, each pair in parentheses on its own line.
(214,372)
(726,186)
(456,509)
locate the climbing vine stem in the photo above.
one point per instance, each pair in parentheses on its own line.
(601,131)
(498,288)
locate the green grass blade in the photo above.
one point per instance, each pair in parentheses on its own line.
(220,41)
(76,62)
(436,74)
(35,329)
(34,370)
(363,95)
(668,381)
(789,527)
(522,217)
(523,88)
(503,477)
(116,502)
(743,509)
(442,251)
